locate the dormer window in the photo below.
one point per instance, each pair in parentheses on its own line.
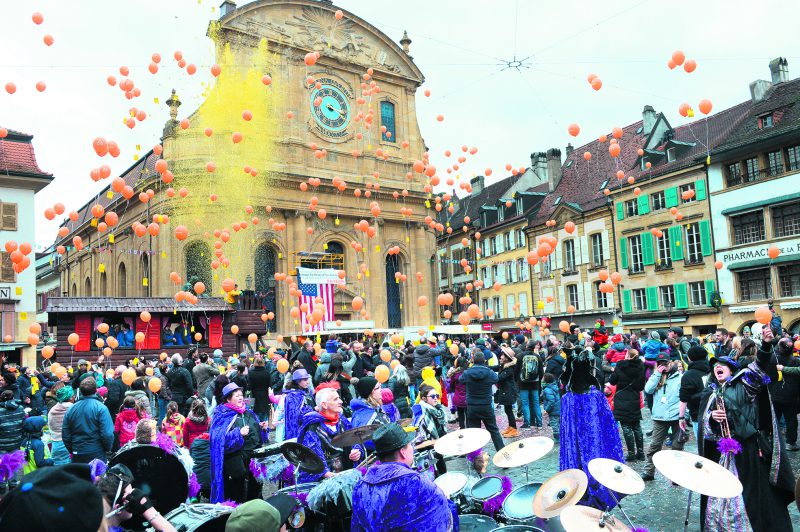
(501,213)
(644,163)
(765,121)
(670,154)
(519,206)
(557,201)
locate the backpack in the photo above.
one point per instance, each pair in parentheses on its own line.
(530,368)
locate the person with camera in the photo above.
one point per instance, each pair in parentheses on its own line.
(664,385)
(126,502)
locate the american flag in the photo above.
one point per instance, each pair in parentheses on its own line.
(308,293)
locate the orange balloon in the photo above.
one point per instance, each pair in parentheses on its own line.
(382,373)
(154,384)
(763,315)
(773,252)
(48,351)
(282,365)
(128,376)
(705,106)
(145,316)
(73,339)
(564,326)
(358,303)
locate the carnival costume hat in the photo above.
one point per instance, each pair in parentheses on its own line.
(300,374)
(728,361)
(230,388)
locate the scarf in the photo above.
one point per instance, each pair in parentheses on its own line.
(331,420)
(433,418)
(237,409)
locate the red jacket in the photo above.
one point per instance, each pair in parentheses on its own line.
(613,356)
(125,425)
(191,430)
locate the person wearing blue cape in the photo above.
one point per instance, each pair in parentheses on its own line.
(588,428)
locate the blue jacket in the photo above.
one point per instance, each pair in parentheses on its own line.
(551,399)
(479,380)
(652,348)
(392,496)
(666,401)
(12,414)
(87,427)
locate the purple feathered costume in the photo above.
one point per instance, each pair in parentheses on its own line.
(221,441)
(295,406)
(392,496)
(588,428)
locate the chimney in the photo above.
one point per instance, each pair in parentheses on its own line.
(539,165)
(759,89)
(779,68)
(553,168)
(477,183)
(569,149)
(648,119)
(226,7)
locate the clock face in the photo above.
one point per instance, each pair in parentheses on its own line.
(332,115)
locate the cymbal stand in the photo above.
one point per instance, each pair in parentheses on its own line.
(688,511)
(621,509)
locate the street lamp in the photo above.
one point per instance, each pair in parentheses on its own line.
(669,305)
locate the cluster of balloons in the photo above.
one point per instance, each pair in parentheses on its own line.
(19,255)
(678,58)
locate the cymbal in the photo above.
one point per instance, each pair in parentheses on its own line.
(585,519)
(427,444)
(461,442)
(560,491)
(697,474)
(523,451)
(302,457)
(616,476)
(354,436)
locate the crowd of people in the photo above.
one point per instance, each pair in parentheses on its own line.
(217,410)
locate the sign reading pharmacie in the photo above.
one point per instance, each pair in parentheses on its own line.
(751,253)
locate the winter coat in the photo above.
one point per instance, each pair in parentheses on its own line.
(204,374)
(12,414)
(616,352)
(180,383)
(322,367)
(296,403)
(259,384)
(692,386)
(666,401)
(88,428)
(55,419)
(551,399)
(192,429)
(459,390)
(201,455)
(306,358)
(479,380)
(628,377)
(416,502)
(401,398)
(652,348)
(554,365)
(526,381)
(786,390)
(506,385)
(172,426)
(425,356)
(116,394)
(125,425)
(141,399)
(366,414)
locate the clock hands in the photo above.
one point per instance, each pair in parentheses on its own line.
(332,108)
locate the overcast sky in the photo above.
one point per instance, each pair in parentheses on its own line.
(460,46)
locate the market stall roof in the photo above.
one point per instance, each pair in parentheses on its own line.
(133,304)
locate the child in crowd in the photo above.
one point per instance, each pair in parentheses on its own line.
(173,423)
(36,452)
(129,416)
(551,403)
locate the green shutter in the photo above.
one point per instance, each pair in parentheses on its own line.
(623,252)
(671,195)
(705,238)
(627,306)
(647,249)
(652,298)
(620,211)
(710,287)
(644,204)
(675,242)
(681,297)
(700,190)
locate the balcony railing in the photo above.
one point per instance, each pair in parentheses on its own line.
(752,177)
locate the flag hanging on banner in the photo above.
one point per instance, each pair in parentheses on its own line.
(308,293)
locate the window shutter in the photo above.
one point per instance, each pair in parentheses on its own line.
(647,249)
(153,334)
(681,298)
(644,203)
(7,274)
(499,241)
(83,328)
(710,287)
(583,256)
(700,190)
(562,299)
(676,242)
(652,298)
(705,237)
(588,301)
(606,248)
(558,257)
(623,252)
(627,305)
(671,197)
(610,299)
(8,211)
(620,211)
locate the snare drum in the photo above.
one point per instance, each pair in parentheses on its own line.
(452,484)
(476,523)
(518,509)
(486,488)
(425,464)
(200,517)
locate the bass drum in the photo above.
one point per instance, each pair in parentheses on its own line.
(162,476)
(199,517)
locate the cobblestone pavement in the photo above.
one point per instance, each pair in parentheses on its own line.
(660,507)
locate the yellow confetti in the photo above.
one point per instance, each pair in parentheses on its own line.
(23,316)
(144,281)
(101,268)
(110,194)
(111,238)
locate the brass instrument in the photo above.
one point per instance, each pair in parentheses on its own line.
(720,399)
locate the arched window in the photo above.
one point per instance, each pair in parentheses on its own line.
(122,281)
(198,263)
(393,311)
(87,288)
(102,289)
(74,292)
(387,120)
(336,250)
(266,285)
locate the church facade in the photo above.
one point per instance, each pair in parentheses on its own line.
(328,143)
